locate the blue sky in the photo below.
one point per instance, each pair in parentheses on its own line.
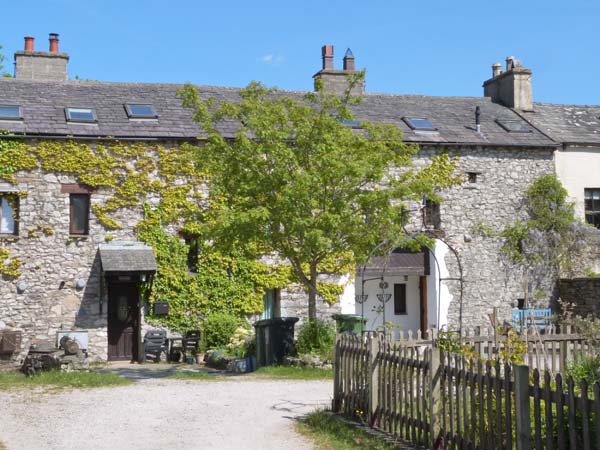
(413,47)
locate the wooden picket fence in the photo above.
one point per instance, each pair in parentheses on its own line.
(420,395)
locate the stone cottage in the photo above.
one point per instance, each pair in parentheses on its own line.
(78,273)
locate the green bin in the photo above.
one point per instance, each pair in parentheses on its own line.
(350,323)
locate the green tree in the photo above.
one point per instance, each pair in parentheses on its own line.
(2,58)
(552,243)
(301,181)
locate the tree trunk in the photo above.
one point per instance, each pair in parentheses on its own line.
(312,293)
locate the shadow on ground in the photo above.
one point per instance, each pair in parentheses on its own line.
(135,371)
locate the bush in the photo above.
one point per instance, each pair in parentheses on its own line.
(585,368)
(218,329)
(316,337)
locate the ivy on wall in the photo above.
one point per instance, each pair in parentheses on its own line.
(132,173)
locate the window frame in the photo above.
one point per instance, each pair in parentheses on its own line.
(432,216)
(525,127)
(400,303)
(79,120)
(72,230)
(15,206)
(594,212)
(19,109)
(132,115)
(409,121)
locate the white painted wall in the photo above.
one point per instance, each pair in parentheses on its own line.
(406,322)
(578,168)
(441,250)
(347,298)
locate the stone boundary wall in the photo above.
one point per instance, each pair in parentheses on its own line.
(583,294)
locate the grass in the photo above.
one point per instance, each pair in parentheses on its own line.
(58,379)
(328,432)
(193,375)
(294,373)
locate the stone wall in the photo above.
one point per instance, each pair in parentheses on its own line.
(495,200)
(582,294)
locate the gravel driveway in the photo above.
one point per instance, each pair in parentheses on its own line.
(163,414)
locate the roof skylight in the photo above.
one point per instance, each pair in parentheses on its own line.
(10,112)
(80,114)
(350,123)
(140,111)
(419,123)
(514,126)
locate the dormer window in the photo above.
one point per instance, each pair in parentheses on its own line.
(80,115)
(10,112)
(419,123)
(140,111)
(514,126)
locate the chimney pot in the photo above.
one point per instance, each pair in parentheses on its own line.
(510,63)
(327,53)
(29,43)
(53,42)
(496,70)
(349,61)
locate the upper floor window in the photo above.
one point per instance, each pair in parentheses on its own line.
(431,214)
(140,111)
(10,112)
(193,244)
(592,206)
(419,123)
(80,114)
(79,208)
(514,126)
(9,211)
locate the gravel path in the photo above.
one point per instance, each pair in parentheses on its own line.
(163,414)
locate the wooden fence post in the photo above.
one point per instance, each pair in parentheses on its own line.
(435,400)
(374,378)
(337,367)
(523,419)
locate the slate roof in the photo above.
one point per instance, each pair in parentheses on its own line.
(576,124)
(395,264)
(127,257)
(43,106)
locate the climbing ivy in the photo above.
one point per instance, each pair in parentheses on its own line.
(172,177)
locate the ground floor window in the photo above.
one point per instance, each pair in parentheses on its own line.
(399,299)
(592,206)
(9,210)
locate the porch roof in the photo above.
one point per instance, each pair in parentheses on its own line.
(127,257)
(395,264)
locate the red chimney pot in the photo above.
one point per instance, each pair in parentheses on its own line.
(327,54)
(29,43)
(53,42)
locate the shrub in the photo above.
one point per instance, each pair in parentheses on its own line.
(241,343)
(218,329)
(584,368)
(316,337)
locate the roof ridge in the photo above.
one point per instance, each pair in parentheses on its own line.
(570,105)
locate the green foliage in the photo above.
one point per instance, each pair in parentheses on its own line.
(585,367)
(316,337)
(58,379)
(296,181)
(241,343)
(218,329)
(329,432)
(294,373)
(513,348)
(449,342)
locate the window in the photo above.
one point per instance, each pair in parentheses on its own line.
(431,214)
(80,114)
(79,214)
(592,206)
(140,111)
(350,123)
(192,256)
(419,123)
(399,299)
(9,210)
(10,112)
(472,177)
(514,126)
(270,305)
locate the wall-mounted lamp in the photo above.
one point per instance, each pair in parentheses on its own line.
(80,284)
(21,287)
(383,284)
(143,277)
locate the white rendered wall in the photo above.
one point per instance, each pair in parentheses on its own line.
(441,250)
(578,168)
(347,297)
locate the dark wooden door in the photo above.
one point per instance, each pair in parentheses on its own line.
(123,317)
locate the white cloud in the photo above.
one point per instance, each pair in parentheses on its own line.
(271,59)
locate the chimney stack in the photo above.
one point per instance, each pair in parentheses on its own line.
(511,88)
(336,81)
(349,61)
(327,54)
(41,66)
(29,43)
(53,42)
